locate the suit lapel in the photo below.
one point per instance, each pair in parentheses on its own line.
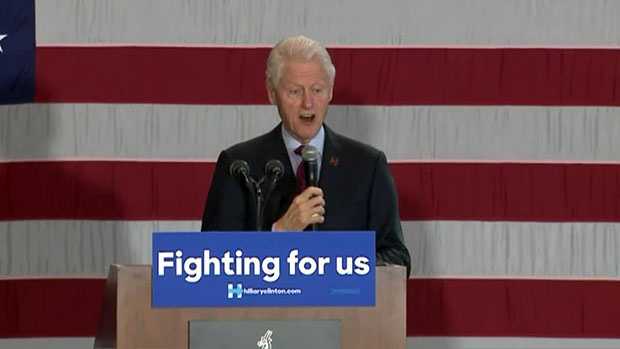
(330,162)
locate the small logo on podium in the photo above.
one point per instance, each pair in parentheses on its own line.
(265,340)
(235,291)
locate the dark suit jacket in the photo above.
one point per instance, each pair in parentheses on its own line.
(358,189)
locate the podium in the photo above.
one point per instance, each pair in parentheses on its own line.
(129,321)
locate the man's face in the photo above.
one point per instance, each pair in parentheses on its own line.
(302,96)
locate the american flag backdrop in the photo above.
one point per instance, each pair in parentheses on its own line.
(500,119)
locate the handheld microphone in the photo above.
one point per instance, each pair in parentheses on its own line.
(311,155)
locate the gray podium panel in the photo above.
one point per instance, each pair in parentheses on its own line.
(264,334)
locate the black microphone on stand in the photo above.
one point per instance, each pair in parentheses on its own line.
(274,170)
(311,156)
(241,169)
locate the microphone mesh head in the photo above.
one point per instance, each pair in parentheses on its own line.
(238,167)
(274,167)
(310,154)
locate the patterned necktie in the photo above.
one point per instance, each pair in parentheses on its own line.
(300,173)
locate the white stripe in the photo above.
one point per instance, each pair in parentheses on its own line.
(438,22)
(513,249)
(47,343)
(439,248)
(61,247)
(412,343)
(52,131)
(509,343)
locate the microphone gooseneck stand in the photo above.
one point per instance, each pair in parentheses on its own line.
(273,171)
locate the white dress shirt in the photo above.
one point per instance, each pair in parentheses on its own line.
(291,144)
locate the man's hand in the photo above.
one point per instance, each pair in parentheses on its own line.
(307,208)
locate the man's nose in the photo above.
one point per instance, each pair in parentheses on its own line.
(308,100)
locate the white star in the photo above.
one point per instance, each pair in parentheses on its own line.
(2,36)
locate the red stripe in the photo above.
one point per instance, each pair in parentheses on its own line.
(177,191)
(509,191)
(50,307)
(435,307)
(540,308)
(104,190)
(377,76)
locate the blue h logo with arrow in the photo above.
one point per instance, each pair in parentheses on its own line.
(232,291)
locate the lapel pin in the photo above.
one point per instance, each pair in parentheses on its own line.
(333,161)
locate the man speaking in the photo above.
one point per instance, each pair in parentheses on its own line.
(350,186)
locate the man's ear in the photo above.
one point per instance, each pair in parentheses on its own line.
(271,92)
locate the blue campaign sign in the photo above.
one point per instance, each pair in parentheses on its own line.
(220,269)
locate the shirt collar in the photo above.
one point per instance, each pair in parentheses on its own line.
(291,143)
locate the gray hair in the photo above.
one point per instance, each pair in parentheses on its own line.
(297,47)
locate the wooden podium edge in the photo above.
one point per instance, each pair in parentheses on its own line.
(108,330)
